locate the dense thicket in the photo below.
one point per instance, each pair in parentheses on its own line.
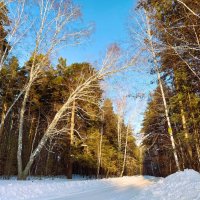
(176,31)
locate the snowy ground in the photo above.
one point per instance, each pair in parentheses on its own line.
(179,186)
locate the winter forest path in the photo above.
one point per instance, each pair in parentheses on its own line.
(115,189)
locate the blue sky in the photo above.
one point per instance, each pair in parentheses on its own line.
(110,18)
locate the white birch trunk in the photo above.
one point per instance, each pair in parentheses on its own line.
(125,152)
(152,50)
(119,124)
(100,147)
(72,123)
(20,136)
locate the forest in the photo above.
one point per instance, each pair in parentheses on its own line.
(54,119)
(171,131)
(54,116)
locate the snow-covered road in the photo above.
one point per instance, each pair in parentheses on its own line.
(184,185)
(61,189)
(119,189)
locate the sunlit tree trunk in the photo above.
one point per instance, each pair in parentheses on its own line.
(186,135)
(182,154)
(125,151)
(20,136)
(141,159)
(72,123)
(152,50)
(119,126)
(70,161)
(100,146)
(3,115)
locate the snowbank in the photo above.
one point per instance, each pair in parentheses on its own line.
(184,185)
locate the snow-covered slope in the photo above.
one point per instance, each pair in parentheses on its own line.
(184,185)
(179,186)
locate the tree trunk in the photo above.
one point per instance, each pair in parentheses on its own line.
(70,161)
(69,168)
(141,159)
(20,136)
(3,115)
(170,132)
(186,134)
(125,151)
(100,147)
(11,149)
(119,124)
(31,133)
(187,147)
(183,119)
(35,153)
(182,154)
(72,123)
(48,158)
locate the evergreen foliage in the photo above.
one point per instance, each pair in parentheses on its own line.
(176,32)
(46,97)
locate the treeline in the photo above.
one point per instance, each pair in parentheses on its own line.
(54,120)
(171,124)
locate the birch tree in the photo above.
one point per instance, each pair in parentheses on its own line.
(121,104)
(11,23)
(152,51)
(14,21)
(190,9)
(100,145)
(52,33)
(125,149)
(146,37)
(110,65)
